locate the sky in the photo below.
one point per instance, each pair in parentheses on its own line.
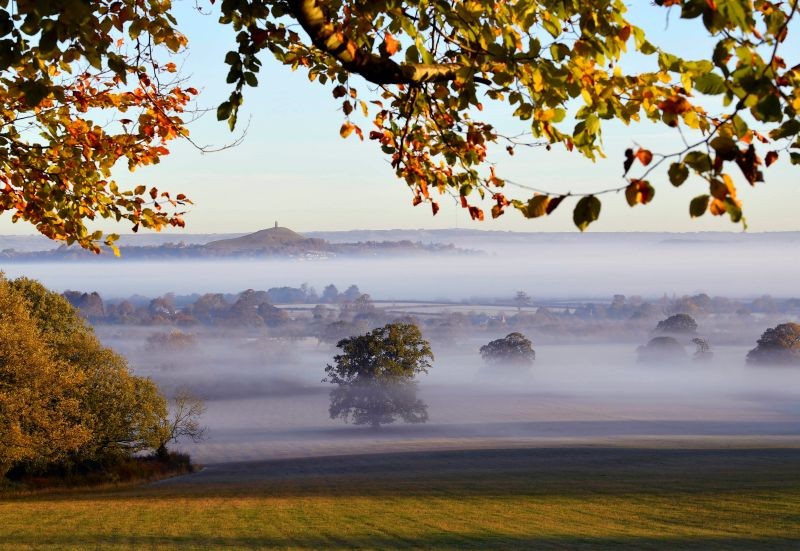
(294,168)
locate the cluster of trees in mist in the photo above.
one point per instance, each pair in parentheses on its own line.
(67,403)
(779,345)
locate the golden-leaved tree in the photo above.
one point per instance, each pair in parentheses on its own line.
(420,72)
(65,399)
(40,415)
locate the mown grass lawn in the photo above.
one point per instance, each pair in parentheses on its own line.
(535,499)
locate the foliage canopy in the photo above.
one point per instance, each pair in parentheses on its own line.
(66,400)
(375,376)
(431,68)
(513,349)
(779,345)
(678,324)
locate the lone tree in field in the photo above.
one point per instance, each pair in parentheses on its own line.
(514,349)
(92,85)
(703,351)
(375,376)
(661,350)
(778,345)
(522,299)
(679,324)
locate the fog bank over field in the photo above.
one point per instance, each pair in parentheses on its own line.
(265,397)
(544,265)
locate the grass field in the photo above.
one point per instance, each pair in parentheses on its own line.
(558,498)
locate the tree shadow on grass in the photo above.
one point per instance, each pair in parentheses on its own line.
(565,472)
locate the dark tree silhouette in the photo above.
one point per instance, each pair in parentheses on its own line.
(375,376)
(681,324)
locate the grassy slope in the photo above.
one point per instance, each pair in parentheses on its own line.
(557,498)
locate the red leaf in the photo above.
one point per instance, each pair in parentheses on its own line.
(771,157)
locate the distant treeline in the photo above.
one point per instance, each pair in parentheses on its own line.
(336,314)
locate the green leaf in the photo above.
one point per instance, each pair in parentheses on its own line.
(586,211)
(725,147)
(698,206)
(251,79)
(733,210)
(698,160)
(678,173)
(34,92)
(231,58)
(768,109)
(592,124)
(739,126)
(789,128)
(224,110)
(709,83)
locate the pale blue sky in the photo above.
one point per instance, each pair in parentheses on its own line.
(294,168)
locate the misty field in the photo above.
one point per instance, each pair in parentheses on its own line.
(559,498)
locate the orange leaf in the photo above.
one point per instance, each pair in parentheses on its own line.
(346,129)
(423,186)
(391,44)
(644,156)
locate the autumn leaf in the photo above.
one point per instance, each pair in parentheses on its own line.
(639,192)
(586,211)
(390,44)
(770,158)
(346,129)
(537,206)
(644,156)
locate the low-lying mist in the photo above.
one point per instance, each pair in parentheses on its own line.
(546,267)
(265,396)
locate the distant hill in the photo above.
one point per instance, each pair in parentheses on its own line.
(275,239)
(270,242)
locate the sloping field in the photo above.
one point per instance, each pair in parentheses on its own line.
(546,498)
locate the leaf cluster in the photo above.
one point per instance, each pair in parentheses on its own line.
(86,86)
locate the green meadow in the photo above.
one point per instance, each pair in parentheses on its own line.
(557,498)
